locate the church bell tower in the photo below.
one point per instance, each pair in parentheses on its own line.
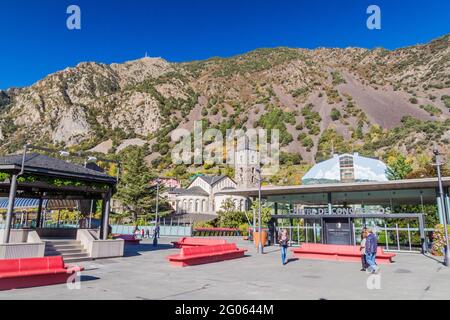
(246,165)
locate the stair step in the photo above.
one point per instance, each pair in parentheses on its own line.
(63,242)
(73,260)
(64,253)
(63,247)
(70,255)
(70,250)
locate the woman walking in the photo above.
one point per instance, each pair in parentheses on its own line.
(362,249)
(283,240)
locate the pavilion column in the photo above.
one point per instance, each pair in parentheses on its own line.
(441,210)
(10,210)
(105,215)
(39,213)
(423,240)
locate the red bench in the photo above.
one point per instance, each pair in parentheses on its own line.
(131,239)
(206,254)
(34,272)
(216,232)
(197,242)
(338,253)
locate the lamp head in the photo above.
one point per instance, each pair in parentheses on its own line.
(436,149)
(91,159)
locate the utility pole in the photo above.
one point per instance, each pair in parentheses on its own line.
(158,181)
(260,244)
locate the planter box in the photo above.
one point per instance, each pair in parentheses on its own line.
(99,249)
(24,243)
(22,250)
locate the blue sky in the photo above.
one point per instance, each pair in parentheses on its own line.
(35,41)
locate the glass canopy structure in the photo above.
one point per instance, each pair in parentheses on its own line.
(338,208)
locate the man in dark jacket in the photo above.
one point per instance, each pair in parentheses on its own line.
(371,251)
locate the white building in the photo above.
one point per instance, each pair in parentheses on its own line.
(201,196)
(346,168)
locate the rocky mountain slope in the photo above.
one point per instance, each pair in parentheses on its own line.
(323,100)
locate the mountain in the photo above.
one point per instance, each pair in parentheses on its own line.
(322,101)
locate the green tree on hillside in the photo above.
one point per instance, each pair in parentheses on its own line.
(398,168)
(133,190)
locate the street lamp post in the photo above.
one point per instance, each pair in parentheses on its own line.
(260,244)
(158,181)
(443,204)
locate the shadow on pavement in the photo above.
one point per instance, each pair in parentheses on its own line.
(292,260)
(88,278)
(434,258)
(135,250)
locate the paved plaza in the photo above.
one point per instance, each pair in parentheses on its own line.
(145,274)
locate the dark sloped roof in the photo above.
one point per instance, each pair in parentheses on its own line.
(211,180)
(194,191)
(174,190)
(36,163)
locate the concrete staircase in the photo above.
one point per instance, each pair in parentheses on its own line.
(70,250)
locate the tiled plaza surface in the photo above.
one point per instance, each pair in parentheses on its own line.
(146,274)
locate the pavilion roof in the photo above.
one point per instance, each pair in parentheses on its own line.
(43,165)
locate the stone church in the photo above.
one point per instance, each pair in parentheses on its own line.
(203,195)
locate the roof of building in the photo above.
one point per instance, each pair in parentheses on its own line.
(329,171)
(424,183)
(194,191)
(26,204)
(212,180)
(39,164)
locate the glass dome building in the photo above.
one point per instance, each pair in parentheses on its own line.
(346,168)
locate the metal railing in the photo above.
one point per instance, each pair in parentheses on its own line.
(393,239)
(309,233)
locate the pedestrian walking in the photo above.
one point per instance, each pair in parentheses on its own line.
(362,249)
(142,233)
(271,234)
(155,238)
(283,240)
(157,229)
(147,233)
(136,232)
(371,251)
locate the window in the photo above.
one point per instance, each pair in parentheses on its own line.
(347,169)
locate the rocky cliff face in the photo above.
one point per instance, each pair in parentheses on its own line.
(321,100)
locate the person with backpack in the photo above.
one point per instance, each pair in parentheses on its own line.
(371,251)
(283,241)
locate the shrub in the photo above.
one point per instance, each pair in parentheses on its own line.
(335,114)
(446,100)
(413,100)
(432,110)
(300,92)
(275,118)
(214,111)
(308,143)
(337,78)
(438,240)
(290,158)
